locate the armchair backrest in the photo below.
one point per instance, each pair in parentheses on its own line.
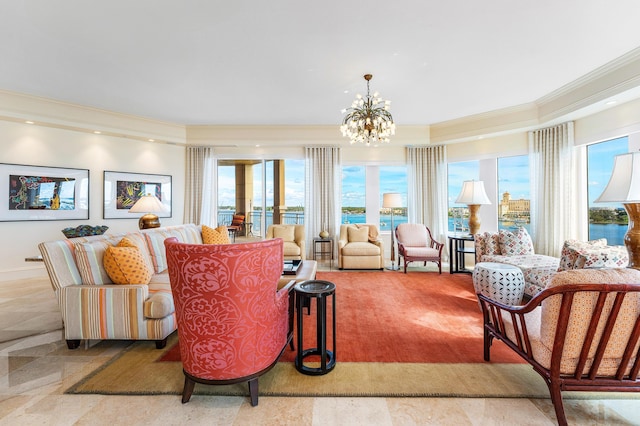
(606,318)
(298,232)
(237,219)
(232,321)
(413,235)
(372,231)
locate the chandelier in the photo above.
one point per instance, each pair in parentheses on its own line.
(368,119)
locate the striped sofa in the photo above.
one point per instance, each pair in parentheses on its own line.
(93,307)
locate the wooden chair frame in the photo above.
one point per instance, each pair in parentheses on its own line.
(402,252)
(582,378)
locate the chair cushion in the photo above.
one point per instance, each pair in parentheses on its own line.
(358,235)
(237,220)
(421,252)
(413,235)
(287,233)
(571,250)
(159,304)
(515,243)
(125,265)
(219,235)
(360,249)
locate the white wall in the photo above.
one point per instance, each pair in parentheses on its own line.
(45,146)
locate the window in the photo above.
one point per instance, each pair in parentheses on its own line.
(606,220)
(353,194)
(364,186)
(456,174)
(513,192)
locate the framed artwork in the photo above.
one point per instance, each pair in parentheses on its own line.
(123,189)
(43,193)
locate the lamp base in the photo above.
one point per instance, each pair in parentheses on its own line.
(149,221)
(632,237)
(474,220)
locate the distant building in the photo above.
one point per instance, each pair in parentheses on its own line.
(513,208)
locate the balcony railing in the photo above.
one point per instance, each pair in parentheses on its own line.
(255,218)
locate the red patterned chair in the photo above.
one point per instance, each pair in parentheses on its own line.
(233,323)
(581,333)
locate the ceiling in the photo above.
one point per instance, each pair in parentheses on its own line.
(291,62)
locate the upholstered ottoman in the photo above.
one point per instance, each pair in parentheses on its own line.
(499,281)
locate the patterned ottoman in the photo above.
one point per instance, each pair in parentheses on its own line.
(499,281)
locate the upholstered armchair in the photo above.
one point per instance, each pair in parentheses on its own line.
(293,237)
(233,323)
(580,334)
(415,244)
(237,225)
(359,247)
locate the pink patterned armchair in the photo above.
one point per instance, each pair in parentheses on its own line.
(415,244)
(233,323)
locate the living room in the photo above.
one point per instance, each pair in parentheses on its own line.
(40,129)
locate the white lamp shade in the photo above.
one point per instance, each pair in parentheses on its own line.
(624,184)
(473,193)
(391,199)
(147,204)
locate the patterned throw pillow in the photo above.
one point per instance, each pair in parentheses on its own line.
(219,235)
(125,265)
(571,250)
(287,233)
(358,235)
(138,241)
(515,243)
(602,257)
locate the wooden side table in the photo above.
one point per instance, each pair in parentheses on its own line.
(323,248)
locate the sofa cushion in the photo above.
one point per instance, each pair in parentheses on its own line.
(358,234)
(160,301)
(603,257)
(287,233)
(89,257)
(219,235)
(155,241)
(571,250)
(515,243)
(125,265)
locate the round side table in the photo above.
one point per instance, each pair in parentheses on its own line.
(320,291)
(499,281)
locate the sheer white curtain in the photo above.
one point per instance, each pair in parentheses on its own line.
(323,190)
(427,197)
(199,195)
(558,204)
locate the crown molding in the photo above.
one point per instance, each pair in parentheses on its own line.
(17,107)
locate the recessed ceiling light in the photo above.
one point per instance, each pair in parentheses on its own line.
(97,132)
(151,140)
(29,122)
(612,102)
(257,146)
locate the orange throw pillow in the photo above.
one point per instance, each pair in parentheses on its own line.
(220,235)
(125,265)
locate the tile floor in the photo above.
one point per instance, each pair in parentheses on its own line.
(35,371)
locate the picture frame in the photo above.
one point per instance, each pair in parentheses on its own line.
(122,189)
(43,193)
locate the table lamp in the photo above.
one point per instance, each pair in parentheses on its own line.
(624,187)
(473,195)
(148,204)
(389,201)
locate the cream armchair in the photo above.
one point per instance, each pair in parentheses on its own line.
(359,247)
(293,237)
